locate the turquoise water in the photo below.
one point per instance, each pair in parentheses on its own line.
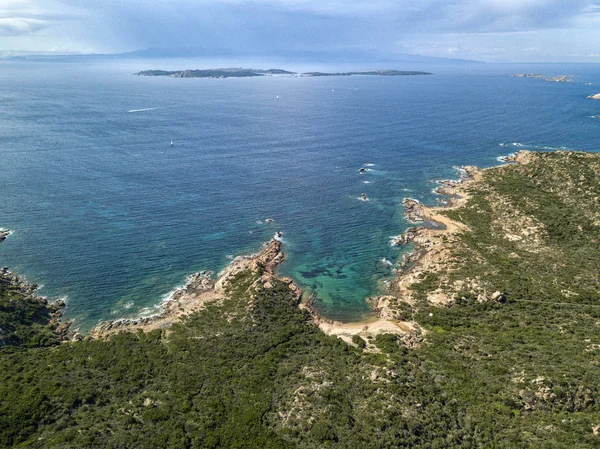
(110,216)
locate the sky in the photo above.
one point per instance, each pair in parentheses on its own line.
(486,30)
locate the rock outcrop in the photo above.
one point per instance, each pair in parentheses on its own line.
(18,285)
(201,289)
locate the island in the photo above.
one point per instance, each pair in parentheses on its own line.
(371,73)
(488,336)
(529,75)
(244,73)
(553,79)
(215,73)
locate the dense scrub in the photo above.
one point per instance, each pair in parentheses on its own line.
(25,320)
(255,371)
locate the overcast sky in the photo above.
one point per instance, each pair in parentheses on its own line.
(488,30)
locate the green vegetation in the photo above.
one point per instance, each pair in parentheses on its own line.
(255,371)
(25,320)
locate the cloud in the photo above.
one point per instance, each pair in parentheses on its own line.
(401,15)
(16,26)
(262,26)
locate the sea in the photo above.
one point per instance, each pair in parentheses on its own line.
(111,217)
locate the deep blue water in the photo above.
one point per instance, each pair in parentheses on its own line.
(112,217)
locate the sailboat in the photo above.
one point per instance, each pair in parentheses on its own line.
(172,143)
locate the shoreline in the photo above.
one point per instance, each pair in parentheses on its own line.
(433,244)
(431,235)
(62,329)
(202,289)
(429,225)
(430,228)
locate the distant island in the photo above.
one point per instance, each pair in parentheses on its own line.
(553,79)
(214,73)
(371,73)
(245,73)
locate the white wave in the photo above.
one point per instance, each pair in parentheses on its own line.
(536,147)
(369,165)
(445,181)
(505,158)
(65,299)
(142,110)
(366,182)
(386,262)
(550,148)
(396,240)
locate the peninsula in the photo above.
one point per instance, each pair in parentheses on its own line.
(243,73)
(488,337)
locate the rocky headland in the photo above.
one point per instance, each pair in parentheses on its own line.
(202,289)
(14,286)
(432,239)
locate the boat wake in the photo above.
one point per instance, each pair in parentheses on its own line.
(142,110)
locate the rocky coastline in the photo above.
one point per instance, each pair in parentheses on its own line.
(431,238)
(14,282)
(432,244)
(203,288)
